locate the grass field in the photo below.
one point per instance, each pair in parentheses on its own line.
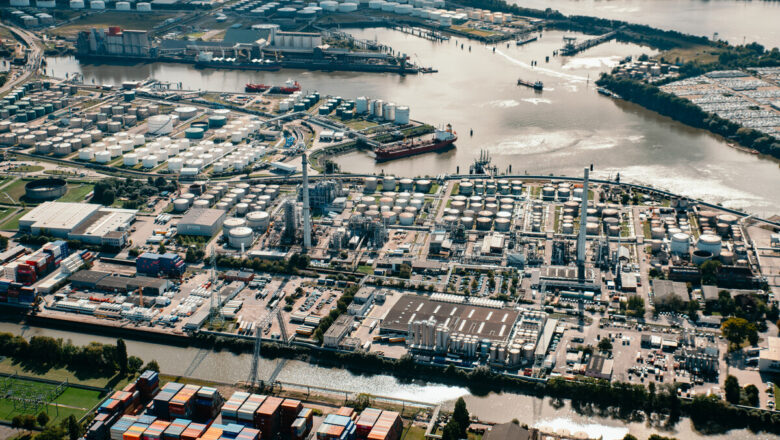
(76,192)
(12,192)
(12,223)
(60,374)
(4,212)
(698,53)
(73,401)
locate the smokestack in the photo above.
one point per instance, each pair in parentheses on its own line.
(583,230)
(306,209)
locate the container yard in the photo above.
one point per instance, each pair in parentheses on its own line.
(147,408)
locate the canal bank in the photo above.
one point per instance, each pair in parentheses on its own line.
(492,407)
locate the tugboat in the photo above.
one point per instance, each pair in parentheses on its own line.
(441,139)
(538,85)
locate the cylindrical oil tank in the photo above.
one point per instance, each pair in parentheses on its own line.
(200,204)
(484,223)
(258,220)
(423,186)
(370,184)
(129,160)
(466,188)
(406,218)
(700,256)
(592,228)
(406,184)
(711,243)
(467,222)
(231,223)
(242,208)
(149,161)
(240,237)
(388,183)
(502,224)
(613,231)
(102,157)
(727,257)
(389,217)
(657,232)
(680,243)
(567,228)
(548,192)
(372,214)
(180,205)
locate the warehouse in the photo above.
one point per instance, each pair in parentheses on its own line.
(58,219)
(87,279)
(338,330)
(106,282)
(85,222)
(204,222)
(483,322)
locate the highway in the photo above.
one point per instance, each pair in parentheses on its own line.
(34,58)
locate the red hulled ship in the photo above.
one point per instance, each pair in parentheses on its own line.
(441,139)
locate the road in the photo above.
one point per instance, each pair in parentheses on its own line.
(34,57)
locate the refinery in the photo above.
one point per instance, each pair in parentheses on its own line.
(212,219)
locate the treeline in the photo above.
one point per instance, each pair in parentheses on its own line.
(341,306)
(729,57)
(683,110)
(42,353)
(617,399)
(291,266)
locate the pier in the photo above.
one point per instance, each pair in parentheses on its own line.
(428,34)
(572,47)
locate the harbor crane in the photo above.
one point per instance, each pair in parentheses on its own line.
(266,321)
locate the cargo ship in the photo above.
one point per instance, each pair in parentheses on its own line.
(441,139)
(232,63)
(289,87)
(538,85)
(526,39)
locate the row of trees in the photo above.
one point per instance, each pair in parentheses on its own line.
(68,428)
(341,306)
(42,353)
(683,110)
(292,265)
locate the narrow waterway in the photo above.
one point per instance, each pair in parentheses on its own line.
(557,131)
(494,407)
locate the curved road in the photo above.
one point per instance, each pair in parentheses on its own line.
(34,57)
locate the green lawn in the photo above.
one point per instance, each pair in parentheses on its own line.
(12,223)
(77,192)
(73,401)
(4,212)
(60,374)
(368,270)
(13,192)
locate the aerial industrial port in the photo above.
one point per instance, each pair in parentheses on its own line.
(144,210)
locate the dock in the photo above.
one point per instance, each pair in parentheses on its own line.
(572,47)
(428,34)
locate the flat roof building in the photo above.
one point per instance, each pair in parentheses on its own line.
(338,330)
(92,224)
(204,222)
(483,322)
(769,359)
(665,290)
(57,219)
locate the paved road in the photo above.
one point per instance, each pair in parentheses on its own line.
(34,58)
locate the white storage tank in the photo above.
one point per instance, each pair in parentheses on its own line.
(160,124)
(679,243)
(402,115)
(150,161)
(258,220)
(77,4)
(240,237)
(710,243)
(186,112)
(406,219)
(97,4)
(388,183)
(102,157)
(232,223)
(130,159)
(122,6)
(175,164)
(242,208)
(181,205)
(144,7)
(86,154)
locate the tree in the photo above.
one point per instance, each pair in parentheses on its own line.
(731,388)
(161,249)
(109,197)
(190,256)
(73,427)
(709,271)
(16,422)
(630,436)
(751,393)
(405,271)
(461,417)
(605,344)
(133,252)
(3,242)
(134,364)
(450,432)
(29,422)
(693,310)
(42,418)
(152,365)
(636,306)
(735,330)
(121,356)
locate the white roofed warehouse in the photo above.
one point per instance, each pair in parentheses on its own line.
(204,222)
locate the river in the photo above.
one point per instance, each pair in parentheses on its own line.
(494,407)
(558,131)
(736,21)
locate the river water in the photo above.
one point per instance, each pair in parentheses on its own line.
(558,131)
(494,407)
(736,21)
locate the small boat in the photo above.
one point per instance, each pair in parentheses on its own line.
(537,85)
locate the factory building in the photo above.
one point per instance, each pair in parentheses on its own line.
(94,280)
(322,194)
(85,222)
(338,330)
(769,359)
(201,221)
(153,264)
